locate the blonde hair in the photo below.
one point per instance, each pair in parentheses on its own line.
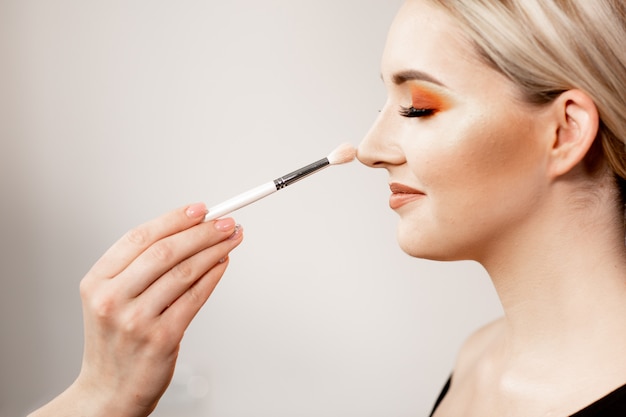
(547,47)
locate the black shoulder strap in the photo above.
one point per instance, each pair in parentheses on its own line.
(442,394)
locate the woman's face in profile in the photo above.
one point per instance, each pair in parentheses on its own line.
(465,160)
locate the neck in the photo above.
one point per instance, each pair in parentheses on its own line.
(562,279)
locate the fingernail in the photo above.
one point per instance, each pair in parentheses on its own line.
(196,210)
(236,232)
(224,225)
(223,259)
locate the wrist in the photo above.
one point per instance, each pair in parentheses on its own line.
(95,399)
(84,400)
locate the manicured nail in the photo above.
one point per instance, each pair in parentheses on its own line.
(196,210)
(236,232)
(223,259)
(224,225)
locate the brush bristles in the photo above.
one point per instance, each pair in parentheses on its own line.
(344,153)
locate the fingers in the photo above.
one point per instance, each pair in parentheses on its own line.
(137,240)
(181,281)
(168,265)
(169,252)
(185,308)
(140,297)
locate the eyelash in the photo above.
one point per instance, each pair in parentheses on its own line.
(413,112)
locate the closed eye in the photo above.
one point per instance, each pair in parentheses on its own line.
(414,112)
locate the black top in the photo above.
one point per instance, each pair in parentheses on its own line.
(611,405)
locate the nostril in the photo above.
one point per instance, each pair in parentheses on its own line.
(368,158)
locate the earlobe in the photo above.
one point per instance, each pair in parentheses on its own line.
(578,121)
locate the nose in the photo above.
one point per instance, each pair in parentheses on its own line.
(379,149)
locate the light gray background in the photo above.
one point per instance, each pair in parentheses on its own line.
(113,112)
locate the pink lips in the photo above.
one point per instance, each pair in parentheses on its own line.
(402,194)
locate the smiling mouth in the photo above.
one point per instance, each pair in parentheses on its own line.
(402,194)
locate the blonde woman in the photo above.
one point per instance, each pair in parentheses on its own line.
(504,140)
(503,136)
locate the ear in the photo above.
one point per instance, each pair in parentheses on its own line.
(577,122)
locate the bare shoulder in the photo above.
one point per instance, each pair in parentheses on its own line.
(477,345)
(470,382)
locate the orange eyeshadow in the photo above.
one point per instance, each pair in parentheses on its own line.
(424,98)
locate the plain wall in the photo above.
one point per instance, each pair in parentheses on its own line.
(113,112)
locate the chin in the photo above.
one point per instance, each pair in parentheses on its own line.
(418,244)
(414,243)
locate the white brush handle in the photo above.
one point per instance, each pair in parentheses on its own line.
(241,200)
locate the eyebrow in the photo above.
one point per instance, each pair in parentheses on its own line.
(414,75)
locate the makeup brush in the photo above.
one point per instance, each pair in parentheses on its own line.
(344,153)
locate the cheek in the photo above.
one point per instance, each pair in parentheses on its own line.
(483,174)
(479,178)
(510,154)
(482,154)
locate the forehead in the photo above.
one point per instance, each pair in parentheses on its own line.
(424,37)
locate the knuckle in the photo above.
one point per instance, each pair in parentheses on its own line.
(133,323)
(85,288)
(183,272)
(196,296)
(193,294)
(162,336)
(162,252)
(137,236)
(103,306)
(130,326)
